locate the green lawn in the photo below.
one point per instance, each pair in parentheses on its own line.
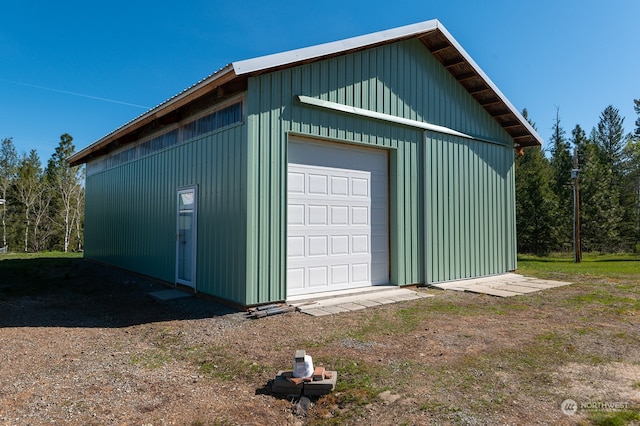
(596,265)
(40,255)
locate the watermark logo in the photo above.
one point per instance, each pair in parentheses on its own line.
(569,407)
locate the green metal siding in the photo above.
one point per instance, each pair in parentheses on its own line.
(463,188)
(402,79)
(131,212)
(469,208)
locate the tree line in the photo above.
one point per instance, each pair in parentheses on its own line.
(608,186)
(42,207)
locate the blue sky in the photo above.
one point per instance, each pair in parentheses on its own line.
(86,68)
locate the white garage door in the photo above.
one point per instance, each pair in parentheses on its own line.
(338,226)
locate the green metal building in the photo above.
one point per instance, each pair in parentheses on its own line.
(381,159)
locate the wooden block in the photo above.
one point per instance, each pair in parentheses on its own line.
(296,380)
(318,373)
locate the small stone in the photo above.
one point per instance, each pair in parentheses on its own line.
(301,408)
(388,398)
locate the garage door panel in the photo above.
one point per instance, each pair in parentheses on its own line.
(296,183)
(295,278)
(296,214)
(318,245)
(360,187)
(295,246)
(318,276)
(340,274)
(317,215)
(360,215)
(318,184)
(339,215)
(360,273)
(339,186)
(360,244)
(338,218)
(339,245)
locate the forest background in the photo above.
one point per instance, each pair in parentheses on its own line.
(42,207)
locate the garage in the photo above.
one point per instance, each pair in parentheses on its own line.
(338,220)
(386,158)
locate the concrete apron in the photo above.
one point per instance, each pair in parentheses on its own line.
(334,302)
(506,285)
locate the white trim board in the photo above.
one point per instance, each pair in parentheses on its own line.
(390,118)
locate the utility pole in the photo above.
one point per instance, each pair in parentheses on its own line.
(577,246)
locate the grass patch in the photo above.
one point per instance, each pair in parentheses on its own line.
(610,266)
(151,360)
(44,255)
(218,362)
(602,297)
(359,383)
(401,321)
(616,418)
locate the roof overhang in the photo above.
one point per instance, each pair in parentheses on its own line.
(464,69)
(233,79)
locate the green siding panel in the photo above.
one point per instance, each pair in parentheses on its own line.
(469,208)
(402,79)
(131,212)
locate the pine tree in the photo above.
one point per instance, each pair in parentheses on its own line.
(599,204)
(636,108)
(561,165)
(631,156)
(580,141)
(609,136)
(603,189)
(535,201)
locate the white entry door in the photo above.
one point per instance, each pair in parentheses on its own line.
(186,237)
(337,233)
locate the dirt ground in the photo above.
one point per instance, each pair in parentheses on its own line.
(84,344)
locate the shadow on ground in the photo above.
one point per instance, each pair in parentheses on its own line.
(63,292)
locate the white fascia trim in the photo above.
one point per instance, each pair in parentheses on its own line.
(389,118)
(321,50)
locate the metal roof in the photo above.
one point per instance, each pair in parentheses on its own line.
(233,78)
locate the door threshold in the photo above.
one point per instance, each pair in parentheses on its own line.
(340,293)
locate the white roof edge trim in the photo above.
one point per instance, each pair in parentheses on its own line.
(284,58)
(391,118)
(221,72)
(306,53)
(486,78)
